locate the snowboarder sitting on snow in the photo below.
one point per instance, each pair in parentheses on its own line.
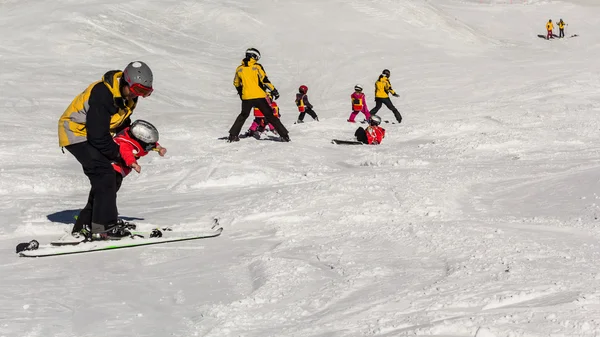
(549,28)
(359,104)
(373,134)
(259,124)
(383,88)
(304,106)
(561,28)
(134,142)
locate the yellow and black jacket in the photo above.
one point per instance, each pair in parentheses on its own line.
(96,115)
(251,80)
(549,26)
(561,25)
(383,87)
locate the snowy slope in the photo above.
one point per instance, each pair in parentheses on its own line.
(477,216)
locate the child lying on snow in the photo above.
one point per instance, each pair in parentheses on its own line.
(373,134)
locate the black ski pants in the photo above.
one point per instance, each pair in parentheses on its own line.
(85,215)
(561,32)
(388,103)
(310,112)
(263,105)
(361,135)
(102,199)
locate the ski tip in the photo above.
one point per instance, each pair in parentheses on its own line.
(215,223)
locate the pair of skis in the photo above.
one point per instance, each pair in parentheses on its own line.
(137,239)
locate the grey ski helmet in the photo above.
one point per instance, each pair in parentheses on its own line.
(386,72)
(144,132)
(138,72)
(253,53)
(375,120)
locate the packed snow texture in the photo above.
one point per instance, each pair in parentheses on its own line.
(477,216)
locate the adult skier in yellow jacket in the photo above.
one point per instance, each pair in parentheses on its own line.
(561,28)
(251,81)
(86,130)
(383,88)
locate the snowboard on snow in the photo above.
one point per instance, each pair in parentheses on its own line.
(70,245)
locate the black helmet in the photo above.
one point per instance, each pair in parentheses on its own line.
(253,53)
(386,72)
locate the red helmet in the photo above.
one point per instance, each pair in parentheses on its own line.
(303,89)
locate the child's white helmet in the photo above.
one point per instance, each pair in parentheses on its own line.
(144,132)
(358,87)
(375,120)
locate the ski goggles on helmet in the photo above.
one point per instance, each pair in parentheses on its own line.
(148,146)
(140,90)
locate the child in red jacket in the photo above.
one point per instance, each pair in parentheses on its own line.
(259,124)
(134,142)
(373,134)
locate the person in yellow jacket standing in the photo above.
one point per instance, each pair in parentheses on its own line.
(549,28)
(383,88)
(250,81)
(86,130)
(561,28)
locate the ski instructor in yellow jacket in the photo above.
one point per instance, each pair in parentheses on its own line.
(383,88)
(250,82)
(86,130)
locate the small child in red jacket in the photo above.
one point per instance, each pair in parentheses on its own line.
(259,123)
(134,142)
(373,134)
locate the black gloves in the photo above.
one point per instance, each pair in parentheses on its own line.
(275,94)
(239,90)
(395,95)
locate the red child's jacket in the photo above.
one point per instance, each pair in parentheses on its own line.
(375,134)
(274,106)
(130,150)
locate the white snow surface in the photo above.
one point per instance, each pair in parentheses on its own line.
(477,216)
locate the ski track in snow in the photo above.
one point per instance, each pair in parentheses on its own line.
(477,216)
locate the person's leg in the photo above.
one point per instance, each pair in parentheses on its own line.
(388,103)
(267,110)
(361,135)
(301,117)
(352,116)
(234,132)
(80,152)
(85,215)
(312,114)
(377,106)
(104,187)
(103,193)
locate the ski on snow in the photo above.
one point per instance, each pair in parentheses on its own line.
(345,142)
(138,239)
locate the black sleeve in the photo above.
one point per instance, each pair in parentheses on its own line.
(306,102)
(126,123)
(98,122)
